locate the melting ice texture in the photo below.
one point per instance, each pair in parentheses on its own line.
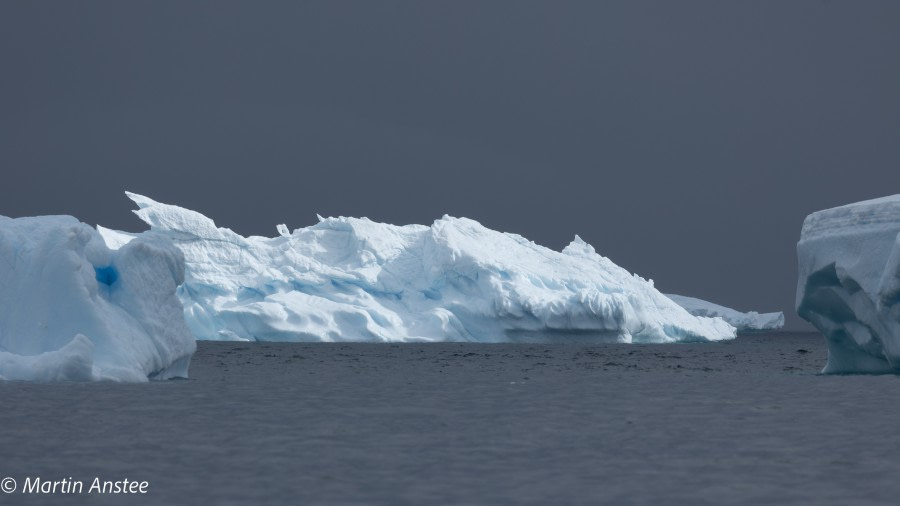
(351,279)
(849,284)
(73,309)
(750,321)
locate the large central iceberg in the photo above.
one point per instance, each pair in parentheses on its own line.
(351,279)
(849,284)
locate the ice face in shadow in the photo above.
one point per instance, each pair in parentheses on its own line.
(849,284)
(73,309)
(744,322)
(351,279)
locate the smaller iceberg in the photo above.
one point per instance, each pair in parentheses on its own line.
(849,284)
(72,309)
(750,321)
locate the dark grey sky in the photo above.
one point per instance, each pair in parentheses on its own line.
(684,140)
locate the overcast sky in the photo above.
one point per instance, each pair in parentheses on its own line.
(685,140)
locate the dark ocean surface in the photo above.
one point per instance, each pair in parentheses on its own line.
(742,422)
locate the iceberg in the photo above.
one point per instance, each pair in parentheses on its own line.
(352,279)
(849,284)
(72,309)
(750,321)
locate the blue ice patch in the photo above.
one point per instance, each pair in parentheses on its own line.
(106,275)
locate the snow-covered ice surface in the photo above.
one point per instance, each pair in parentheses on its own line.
(351,279)
(73,309)
(744,322)
(849,284)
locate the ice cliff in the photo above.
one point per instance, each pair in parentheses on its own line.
(744,322)
(849,284)
(73,309)
(351,279)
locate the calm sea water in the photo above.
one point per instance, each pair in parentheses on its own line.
(743,422)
